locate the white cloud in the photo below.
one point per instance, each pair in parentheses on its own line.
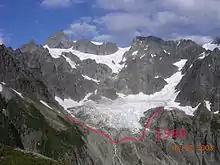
(103,38)
(59,3)
(197,39)
(82,28)
(125,5)
(124,19)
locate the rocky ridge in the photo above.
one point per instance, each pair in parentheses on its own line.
(59,40)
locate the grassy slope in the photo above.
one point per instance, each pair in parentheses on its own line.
(9,156)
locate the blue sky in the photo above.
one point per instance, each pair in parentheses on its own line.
(108,20)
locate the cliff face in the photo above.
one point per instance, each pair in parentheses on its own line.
(34,120)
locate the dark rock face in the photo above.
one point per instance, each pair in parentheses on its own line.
(61,79)
(202,129)
(150,60)
(17,77)
(201,82)
(59,40)
(92,69)
(87,47)
(72,57)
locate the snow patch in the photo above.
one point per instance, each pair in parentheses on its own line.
(18,93)
(103,59)
(153,55)
(70,103)
(3,83)
(180,64)
(202,55)
(216,112)
(89,78)
(97,43)
(66,103)
(142,56)
(1,88)
(208,105)
(166,52)
(44,103)
(135,53)
(210,46)
(72,63)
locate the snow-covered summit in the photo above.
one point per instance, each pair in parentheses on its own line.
(212,44)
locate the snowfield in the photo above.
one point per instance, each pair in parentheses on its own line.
(210,46)
(126,111)
(1,88)
(112,60)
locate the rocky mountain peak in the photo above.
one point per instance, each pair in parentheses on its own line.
(216,41)
(59,40)
(30,47)
(139,39)
(87,46)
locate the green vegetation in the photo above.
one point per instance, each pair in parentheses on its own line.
(25,117)
(54,143)
(9,156)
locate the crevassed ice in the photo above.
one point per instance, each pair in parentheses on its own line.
(126,111)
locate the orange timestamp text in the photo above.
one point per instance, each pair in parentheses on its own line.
(190,147)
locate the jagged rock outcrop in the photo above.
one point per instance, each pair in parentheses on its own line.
(201,129)
(216,41)
(88,47)
(150,60)
(201,82)
(61,79)
(19,78)
(59,40)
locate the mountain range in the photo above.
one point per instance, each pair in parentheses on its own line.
(113,90)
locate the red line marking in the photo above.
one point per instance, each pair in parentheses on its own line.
(108,137)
